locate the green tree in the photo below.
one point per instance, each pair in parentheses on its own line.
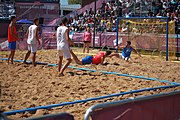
(74,1)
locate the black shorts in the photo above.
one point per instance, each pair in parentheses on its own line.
(87,41)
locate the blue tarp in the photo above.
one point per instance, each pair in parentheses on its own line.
(24,21)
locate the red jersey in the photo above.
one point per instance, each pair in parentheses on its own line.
(97,58)
(10,37)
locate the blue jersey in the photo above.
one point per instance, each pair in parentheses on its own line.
(126,52)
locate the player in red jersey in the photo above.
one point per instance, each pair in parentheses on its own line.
(12,38)
(96,59)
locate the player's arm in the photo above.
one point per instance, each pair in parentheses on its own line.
(27,33)
(56,33)
(68,39)
(120,47)
(12,31)
(137,52)
(83,36)
(36,35)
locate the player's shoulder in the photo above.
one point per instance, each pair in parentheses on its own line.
(32,26)
(62,27)
(131,47)
(11,25)
(101,52)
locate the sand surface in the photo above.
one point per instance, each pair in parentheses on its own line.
(24,86)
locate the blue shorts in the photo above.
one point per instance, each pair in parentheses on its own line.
(12,45)
(87,60)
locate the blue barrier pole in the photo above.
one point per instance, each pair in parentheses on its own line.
(167,32)
(117,35)
(177,44)
(86,100)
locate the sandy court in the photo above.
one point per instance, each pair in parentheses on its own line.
(24,86)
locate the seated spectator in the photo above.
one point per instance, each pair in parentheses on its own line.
(108,26)
(150,13)
(125,8)
(91,12)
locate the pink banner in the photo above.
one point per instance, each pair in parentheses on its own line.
(143,41)
(78,38)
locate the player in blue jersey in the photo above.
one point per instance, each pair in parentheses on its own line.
(126,52)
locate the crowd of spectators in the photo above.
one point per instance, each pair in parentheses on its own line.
(106,15)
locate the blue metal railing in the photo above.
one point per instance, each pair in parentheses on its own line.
(89,99)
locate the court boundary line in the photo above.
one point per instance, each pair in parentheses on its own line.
(101,71)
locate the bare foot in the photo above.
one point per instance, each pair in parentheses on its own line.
(34,65)
(60,74)
(9,63)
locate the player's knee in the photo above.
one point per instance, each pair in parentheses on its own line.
(29,52)
(78,62)
(69,60)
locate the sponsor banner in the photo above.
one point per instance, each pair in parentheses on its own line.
(4,45)
(78,38)
(159,108)
(143,41)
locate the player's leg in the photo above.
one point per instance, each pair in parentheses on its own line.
(87,60)
(84,47)
(88,44)
(34,58)
(60,54)
(60,64)
(69,60)
(13,51)
(127,59)
(27,54)
(12,56)
(12,47)
(34,50)
(117,55)
(67,56)
(75,58)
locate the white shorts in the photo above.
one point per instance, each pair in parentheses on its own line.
(65,53)
(122,57)
(32,48)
